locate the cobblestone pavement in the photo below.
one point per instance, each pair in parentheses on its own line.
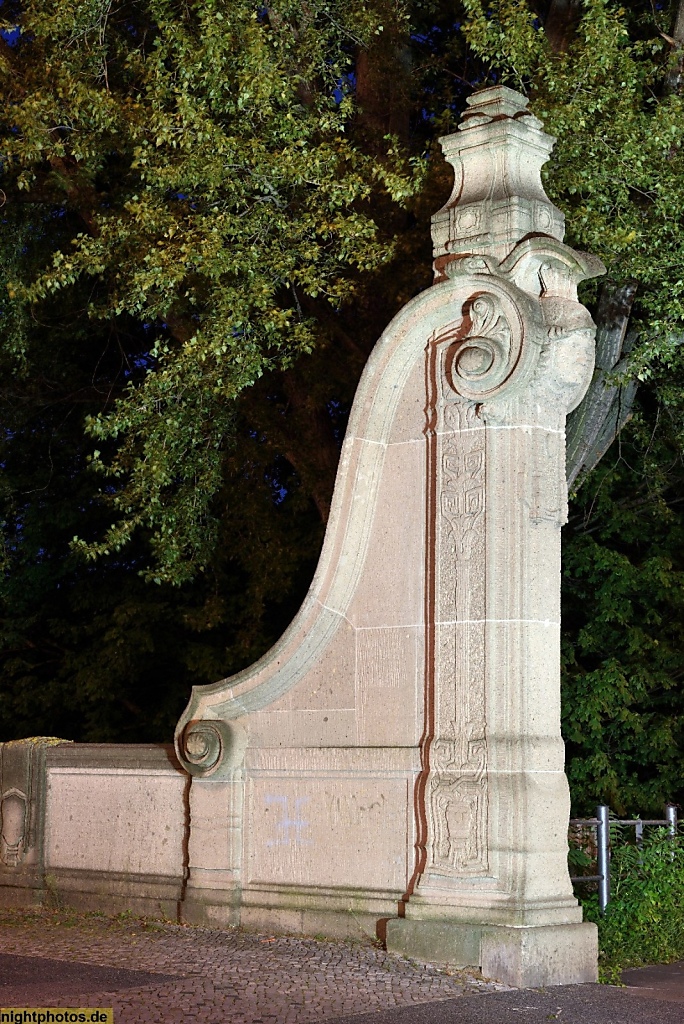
(197,975)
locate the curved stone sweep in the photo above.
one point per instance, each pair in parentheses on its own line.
(500,320)
(399,749)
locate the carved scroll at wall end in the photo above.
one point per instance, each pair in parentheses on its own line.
(457,811)
(211,747)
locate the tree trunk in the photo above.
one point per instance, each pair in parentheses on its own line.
(594,425)
(383,85)
(560,23)
(673,82)
(596,422)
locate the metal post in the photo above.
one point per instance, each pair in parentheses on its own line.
(603,858)
(671,817)
(639,837)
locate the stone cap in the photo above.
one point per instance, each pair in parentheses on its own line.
(498,197)
(130,756)
(496,103)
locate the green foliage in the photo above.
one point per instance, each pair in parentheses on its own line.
(200,152)
(644,920)
(578,859)
(617,169)
(505,35)
(95,653)
(623,634)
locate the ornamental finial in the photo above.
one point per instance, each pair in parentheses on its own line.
(498,197)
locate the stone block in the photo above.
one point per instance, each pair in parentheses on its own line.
(435,942)
(115,820)
(538,957)
(334,832)
(523,957)
(105,826)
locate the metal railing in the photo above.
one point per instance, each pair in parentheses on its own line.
(601,823)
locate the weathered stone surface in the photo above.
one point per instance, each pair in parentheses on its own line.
(538,957)
(116,826)
(22,817)
(105,825)
(401,744)
(528,956)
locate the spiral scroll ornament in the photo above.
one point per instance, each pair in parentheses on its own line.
(480,362)
(204,746)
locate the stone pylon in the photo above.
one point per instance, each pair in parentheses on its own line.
(395,762)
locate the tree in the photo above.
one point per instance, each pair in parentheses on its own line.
(108,116)
(623,622)
(198,155)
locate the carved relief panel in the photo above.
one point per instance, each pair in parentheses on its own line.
(458,803)
(474,356)
(22,791)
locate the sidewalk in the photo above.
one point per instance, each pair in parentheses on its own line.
(152,972)
(167,973)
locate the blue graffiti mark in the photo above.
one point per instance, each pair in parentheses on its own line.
(290,829)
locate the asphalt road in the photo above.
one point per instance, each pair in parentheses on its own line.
(664,981)
(35,980)
(567,1004)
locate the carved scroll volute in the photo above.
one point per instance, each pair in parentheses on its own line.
(482,360)
(211,748)
(522,324)
(495,346)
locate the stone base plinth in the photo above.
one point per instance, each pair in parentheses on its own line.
(525,957)
(332,915)
(209,910)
